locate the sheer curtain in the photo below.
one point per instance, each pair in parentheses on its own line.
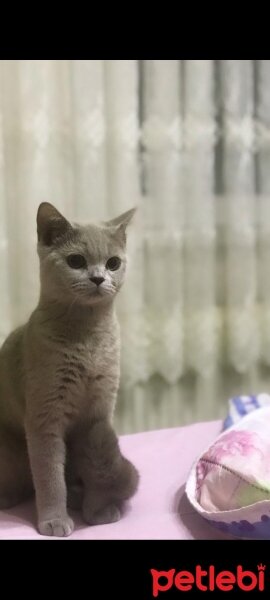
(189,143)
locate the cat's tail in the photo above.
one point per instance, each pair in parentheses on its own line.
(106,466)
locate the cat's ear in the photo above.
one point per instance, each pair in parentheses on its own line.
(119,224)
(51,225)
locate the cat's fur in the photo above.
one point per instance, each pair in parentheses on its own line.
(59,377)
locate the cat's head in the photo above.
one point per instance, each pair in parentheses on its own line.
(81,263)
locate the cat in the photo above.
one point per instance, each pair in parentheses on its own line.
(59,377)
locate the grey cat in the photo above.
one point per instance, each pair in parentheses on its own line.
(59,377)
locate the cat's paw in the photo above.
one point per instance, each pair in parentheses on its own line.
(110,514)
(56,527)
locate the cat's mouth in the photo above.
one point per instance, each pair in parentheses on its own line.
(98,293)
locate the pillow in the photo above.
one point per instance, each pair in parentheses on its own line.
(230,483)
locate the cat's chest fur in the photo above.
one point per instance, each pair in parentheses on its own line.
(71,374)
(86,362)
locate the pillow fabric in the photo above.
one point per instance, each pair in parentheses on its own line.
(229,485)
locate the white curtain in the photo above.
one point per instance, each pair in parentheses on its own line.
(189,143)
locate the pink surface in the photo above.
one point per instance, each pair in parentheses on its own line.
(159,510)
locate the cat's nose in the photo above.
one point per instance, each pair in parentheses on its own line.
(97,280)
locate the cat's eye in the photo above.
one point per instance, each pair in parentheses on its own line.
(76,261)
(113,263)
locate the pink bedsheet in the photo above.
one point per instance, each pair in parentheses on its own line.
(159,510)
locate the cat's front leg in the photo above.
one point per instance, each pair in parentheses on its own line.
(47,459)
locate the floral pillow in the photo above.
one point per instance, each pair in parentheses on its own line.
(230,483)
